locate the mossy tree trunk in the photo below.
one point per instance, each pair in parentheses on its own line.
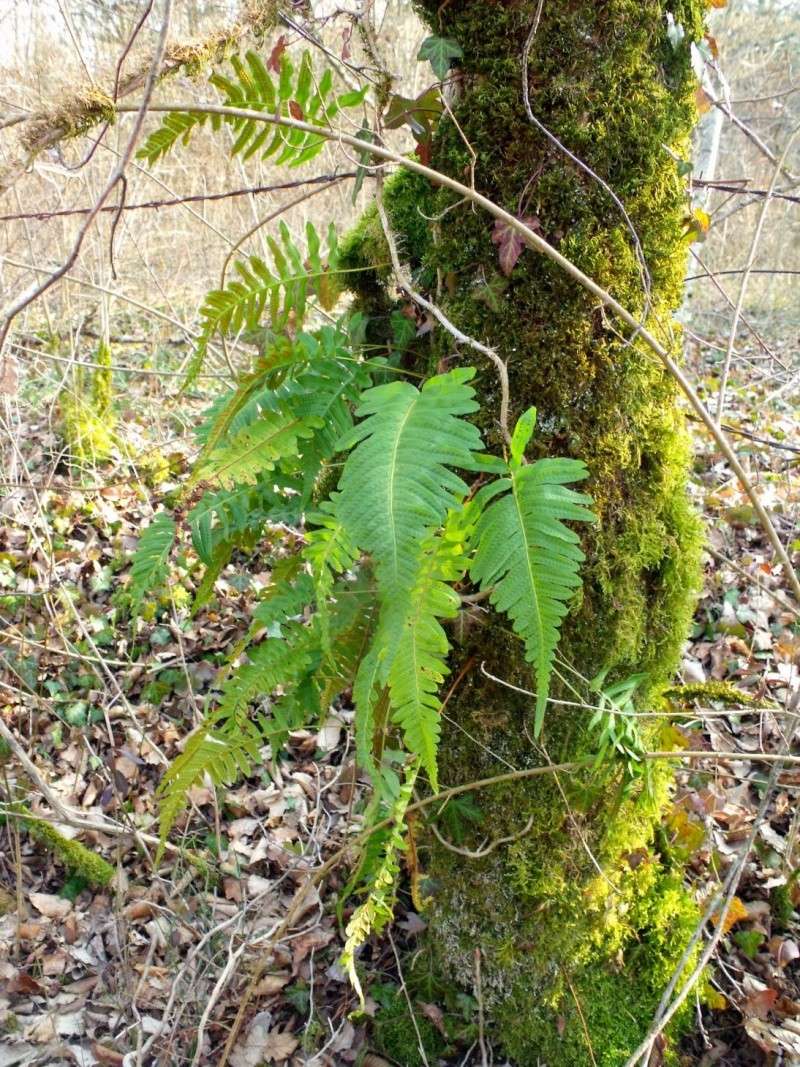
(571,957)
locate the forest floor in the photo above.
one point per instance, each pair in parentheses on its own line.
(153,967)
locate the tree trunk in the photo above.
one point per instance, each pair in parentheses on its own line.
(580,921)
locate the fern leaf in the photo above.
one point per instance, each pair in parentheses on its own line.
(418,664)
(223,756)
(255,449)
(149,567)
(530,559)
(329,549)
(275,662)
(227,744)
(397,485)
(252,88)
(375,913)
(281,292)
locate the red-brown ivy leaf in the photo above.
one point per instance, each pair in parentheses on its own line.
(509,242)
(274,61)
(295,110)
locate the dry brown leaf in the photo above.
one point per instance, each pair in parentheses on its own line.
(279,1046)
(269,984)
(758,1005)
(52,907)
(773,1038)
(104,1054)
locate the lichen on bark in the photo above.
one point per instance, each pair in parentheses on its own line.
(579,922)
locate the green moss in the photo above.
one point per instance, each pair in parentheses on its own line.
(87,413)
(395,1034)
(78,859)
(697,692)
(606,81)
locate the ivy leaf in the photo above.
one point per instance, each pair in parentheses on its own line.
(509,242)
(418,113)
(440,51)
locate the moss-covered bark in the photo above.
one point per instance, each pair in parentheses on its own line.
(571,957)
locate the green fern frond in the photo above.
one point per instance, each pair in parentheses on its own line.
(255,449)
(366,693)
(397,485)
(419,649)
(275,662)
(528,557)
(280,292)
(238,515)
(329,549)
(222,755)
(227,744)
(376,912)
(252,88)
(149,566)
(178,126)
(349,624)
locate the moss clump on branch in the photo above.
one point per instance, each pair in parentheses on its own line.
(722,692)
(572,956)
(77,858)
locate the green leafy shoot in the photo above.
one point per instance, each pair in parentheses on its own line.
(149,566)
(527,556)
(297,95)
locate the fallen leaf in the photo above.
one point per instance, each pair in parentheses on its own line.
(280,1044)
(303,945)
(269,984)
(736,912)
(104,1054)
(784,950)
(759,1005)
(52,907)
(435,1014)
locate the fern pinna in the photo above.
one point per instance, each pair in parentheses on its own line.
(395,505)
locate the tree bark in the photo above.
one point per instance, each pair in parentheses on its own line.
(580,921)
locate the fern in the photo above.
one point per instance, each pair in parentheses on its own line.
(419,652)
(227,744)
(376,912)
(149,566)
(237,516)
(527,556)
(329,552)
(255,449)
(281,291)
(252,88)
(223,756)
(397,485)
